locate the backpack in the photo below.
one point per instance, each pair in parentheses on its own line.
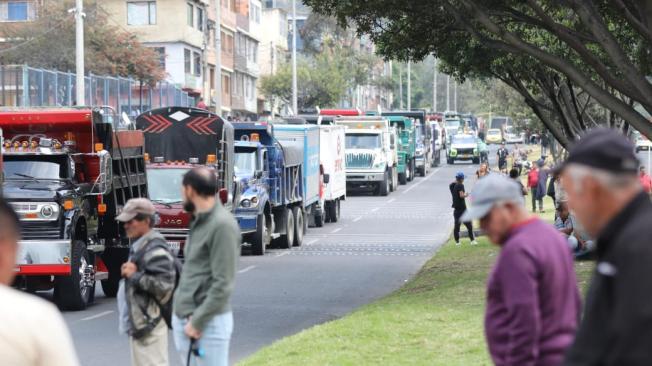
(533,178)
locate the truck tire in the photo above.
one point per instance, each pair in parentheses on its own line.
(402,178)
(319,219)
(391,180)
(74,292)
(261,238)
(411,170)
(437,160)
(450,161)
(334,211)
(299,221)
(383,189)
(113,259)
(286,240)
(476,161)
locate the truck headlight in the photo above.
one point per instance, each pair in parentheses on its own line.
(47,211)
(475,152)
(453,152)
(245,203)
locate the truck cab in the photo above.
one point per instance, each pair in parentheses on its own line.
(407,146)
(370,145)
(423,138)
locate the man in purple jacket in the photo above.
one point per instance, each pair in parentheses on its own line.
(533,303)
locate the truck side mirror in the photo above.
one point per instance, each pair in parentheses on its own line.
(327,178)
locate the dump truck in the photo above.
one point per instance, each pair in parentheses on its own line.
(68,173)
(423,138)
(178,139)
(407,147)
(273,185)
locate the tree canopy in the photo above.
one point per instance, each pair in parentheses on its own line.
(561,56)
(109,50)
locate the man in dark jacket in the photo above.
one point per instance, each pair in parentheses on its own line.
(149,278)
(600,181)
(542,183)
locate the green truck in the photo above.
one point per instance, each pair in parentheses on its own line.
(407,145)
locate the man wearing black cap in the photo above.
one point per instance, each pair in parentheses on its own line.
(600,180)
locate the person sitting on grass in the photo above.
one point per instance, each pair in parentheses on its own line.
(564,221)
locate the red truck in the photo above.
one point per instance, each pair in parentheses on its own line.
(178,139)
(68,173)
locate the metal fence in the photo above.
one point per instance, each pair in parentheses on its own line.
(24,86)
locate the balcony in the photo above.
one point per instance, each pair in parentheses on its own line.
(242,21)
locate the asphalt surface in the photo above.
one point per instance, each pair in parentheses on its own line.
(379,243)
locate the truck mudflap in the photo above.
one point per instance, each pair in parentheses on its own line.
(247,222)
(37,257)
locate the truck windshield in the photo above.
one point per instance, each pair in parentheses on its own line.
(450,124)
(362,141)
(164,185)
(32,167)
(464,140)
(245,162)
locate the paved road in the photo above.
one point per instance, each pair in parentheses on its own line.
(379,243)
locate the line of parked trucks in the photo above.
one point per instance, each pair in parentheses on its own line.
(68,173)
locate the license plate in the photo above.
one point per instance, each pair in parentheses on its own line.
(465,156)
(174,245)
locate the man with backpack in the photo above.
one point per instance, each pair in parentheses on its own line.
(459,206)
(532,184)
(145,293)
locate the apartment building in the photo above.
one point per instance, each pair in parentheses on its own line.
(18,11)
(244,95)
(273,50)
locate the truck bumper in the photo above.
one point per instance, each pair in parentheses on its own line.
(364,176)
(248,222)
(43,257)
(419,161)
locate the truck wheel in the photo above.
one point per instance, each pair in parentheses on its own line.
(285,241)
(391,180)
(334,211)
(383,190)
(74,292)
(113,259)
(297,212)
(450,161)
(402,178)
(411,171)
(319,219)
(261,238)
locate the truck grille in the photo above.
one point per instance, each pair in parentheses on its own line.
(40,231)
(359,160)
(468,151)
(174,234)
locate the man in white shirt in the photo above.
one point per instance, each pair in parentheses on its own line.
(32,331)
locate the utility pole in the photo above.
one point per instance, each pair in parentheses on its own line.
(400,87)
(79,53)
(295,108)
(448,92)
(409,86)
(455,93)
(434,89)
(218,57)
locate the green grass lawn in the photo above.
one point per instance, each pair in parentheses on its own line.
(435,319)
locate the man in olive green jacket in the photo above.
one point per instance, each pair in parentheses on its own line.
(202,310)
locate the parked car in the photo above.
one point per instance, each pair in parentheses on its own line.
(463,147)
(514,138)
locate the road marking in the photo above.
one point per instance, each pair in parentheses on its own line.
(357,219)
(282,254)
(375,209)
(97,315)
(421,181)
(313,241)
(247,269)
(336,230)
(392,200)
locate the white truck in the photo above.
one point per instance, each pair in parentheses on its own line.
(333,162)
(371,156)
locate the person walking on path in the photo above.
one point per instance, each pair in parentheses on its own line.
(646,181)
(542,183)
(202,303)
(600,179)
(545,143)
(533,303)
(532,184)
(148,284)
(502,154)
(459,206)
(33,332)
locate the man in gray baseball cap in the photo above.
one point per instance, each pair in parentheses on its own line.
(532,298)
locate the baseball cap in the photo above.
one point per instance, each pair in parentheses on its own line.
(487,192)
(134,207)
(459,175)
(605,149)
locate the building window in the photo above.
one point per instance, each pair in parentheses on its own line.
(161,56)
(197,63)
(17,11)
(200,18)
(227,43)
(141,13)
(226,84)
(187,60)
(191,15)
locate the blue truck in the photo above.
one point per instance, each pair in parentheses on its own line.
(278,183)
